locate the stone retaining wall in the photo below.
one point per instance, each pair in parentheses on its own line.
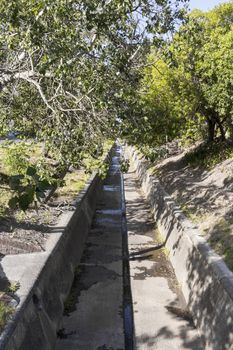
(205,280)
(46,277)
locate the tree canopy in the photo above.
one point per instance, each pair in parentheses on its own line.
(186,89)
(69,69)
(75,72)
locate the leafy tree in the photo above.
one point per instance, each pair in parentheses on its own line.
(203,50)
(186,90)
(69,74)
(68,67)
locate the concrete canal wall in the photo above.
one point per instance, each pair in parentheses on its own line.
(205,280)
(46,277)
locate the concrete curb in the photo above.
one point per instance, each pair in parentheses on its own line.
(205,280)
(46,277)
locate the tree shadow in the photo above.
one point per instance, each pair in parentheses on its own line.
(196,189)
(207,283)
(141,222)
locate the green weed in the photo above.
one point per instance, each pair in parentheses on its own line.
(13,287)
(221,241)
(210,154)
(5,313)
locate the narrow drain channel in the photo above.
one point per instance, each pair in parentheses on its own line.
(98,312)
(128,307)
(125,294)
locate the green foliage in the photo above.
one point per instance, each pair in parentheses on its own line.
(221,240)
(13,287)
(28,188)
(153,153)
(70,69)
(98,161)
(124,165)
(186,88)
(16,158)
(5,313)
(28,181)
(210,154)
(203,51)
(93,164)
(74,182)
(103,170)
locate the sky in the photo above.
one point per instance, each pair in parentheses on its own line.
(205,4)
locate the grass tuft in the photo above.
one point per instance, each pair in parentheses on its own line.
(209,155)
(5,313)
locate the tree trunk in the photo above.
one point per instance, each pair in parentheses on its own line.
(230,128)
(211,129)
(220,124)
(222,131)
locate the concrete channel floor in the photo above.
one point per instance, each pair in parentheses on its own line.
(97,319)
(94,319)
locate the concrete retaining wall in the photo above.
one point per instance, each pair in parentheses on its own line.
(46,278)
(206,282)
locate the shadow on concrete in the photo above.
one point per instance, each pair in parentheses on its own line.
(210,291)
(207,282)
(4,282)
(142,222)
(95,308)
(210,299)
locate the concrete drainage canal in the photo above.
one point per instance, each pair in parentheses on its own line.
(125,294)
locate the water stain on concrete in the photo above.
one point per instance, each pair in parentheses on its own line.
(85,277)
(94,316)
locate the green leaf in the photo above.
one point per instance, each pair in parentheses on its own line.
(14,182)
(25,200)
(13,202)
(43,185)
(30,191)
(31,171)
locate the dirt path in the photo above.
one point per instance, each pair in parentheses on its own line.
(98,312)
